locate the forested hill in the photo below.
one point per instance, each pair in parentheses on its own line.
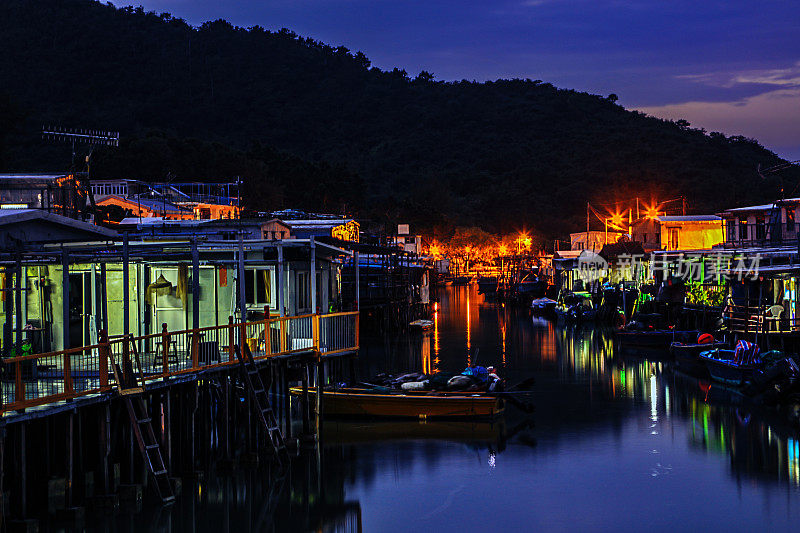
(313,126)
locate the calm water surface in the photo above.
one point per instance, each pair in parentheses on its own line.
(617,442)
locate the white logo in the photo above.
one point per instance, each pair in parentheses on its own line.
(591,266)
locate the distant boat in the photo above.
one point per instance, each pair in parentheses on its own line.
(422,324)
(368,403)
(462,280)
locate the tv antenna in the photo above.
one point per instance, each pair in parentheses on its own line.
(74,136)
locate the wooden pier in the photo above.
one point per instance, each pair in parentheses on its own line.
(73,419)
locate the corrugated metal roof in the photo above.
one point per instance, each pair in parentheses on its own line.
(16,216)
(159,221)
(28,176)
(690,218)
(761,207)
(317,223)
(154,204)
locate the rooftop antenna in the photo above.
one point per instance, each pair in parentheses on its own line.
(90,137)
(73,136)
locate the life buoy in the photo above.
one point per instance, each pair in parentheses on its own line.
(705,338)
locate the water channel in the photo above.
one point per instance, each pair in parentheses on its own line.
(617,442)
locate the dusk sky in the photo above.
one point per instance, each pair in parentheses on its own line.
(724,65)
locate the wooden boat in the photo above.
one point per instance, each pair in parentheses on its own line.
(544,306)
(422,324)
(352,402)
(654,338)
(687,356)
(462,280)
(722,368)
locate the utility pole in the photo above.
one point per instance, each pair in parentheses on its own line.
(587,225)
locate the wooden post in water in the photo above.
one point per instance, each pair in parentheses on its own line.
(286,401)
(320,377)
(304,404)
(226,427)
(105,447)
(23,470)
(167,428)
(69,460)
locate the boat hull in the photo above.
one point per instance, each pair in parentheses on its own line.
(354,403)
(687,356)
(725,371)
(653,339)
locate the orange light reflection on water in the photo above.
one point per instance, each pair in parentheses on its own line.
(469,339)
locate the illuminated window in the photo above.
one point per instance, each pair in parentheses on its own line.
(790,219)
(743,229)
(258,287)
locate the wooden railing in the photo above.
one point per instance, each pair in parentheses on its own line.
(751,319)
(39,379)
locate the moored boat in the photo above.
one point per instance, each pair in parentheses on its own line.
(687,356)
(355,402)
(723,368)
(544,306)
(654,338)
(422,324)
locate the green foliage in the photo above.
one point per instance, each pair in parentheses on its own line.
(504,155)
(702,294)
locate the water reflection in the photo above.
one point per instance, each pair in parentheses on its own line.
(616,442)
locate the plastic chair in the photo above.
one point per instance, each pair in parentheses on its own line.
(773,316)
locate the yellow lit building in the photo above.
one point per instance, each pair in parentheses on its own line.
(691,232)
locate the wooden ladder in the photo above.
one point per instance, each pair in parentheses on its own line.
(258,393)
(149,446)
(131,390)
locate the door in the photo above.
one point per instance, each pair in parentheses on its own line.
(673,239)
(81,308)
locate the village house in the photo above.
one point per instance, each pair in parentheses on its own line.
(687,232)
(772,224)
(62,194)
(146,207)
(70,285)
(596,240)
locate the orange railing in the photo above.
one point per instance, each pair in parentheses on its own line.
(40,379)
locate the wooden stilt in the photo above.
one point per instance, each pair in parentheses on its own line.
(304,403)
(69,460)
(23,471)
(286,402)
